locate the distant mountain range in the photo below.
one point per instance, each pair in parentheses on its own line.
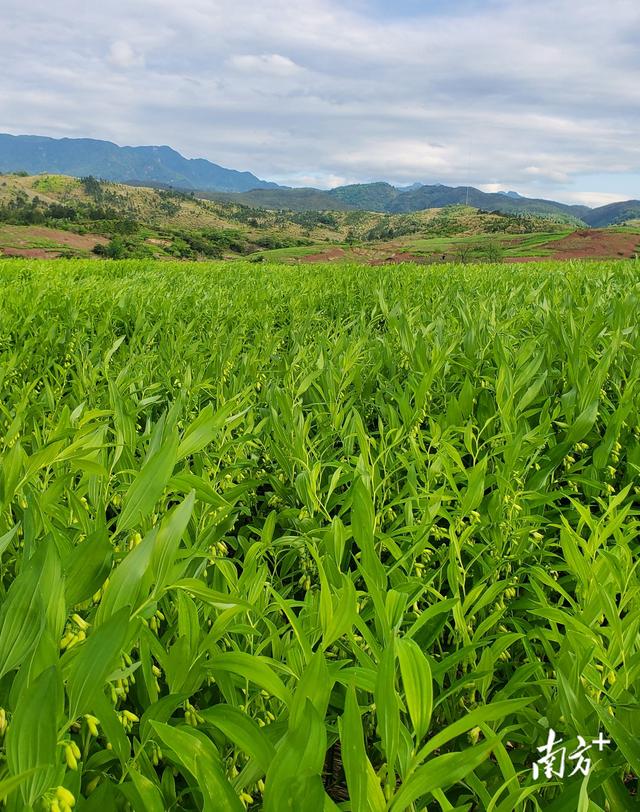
(164,167)
(382,197)
(81,157)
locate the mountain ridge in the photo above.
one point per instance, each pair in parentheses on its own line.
(79,157)
(165,167)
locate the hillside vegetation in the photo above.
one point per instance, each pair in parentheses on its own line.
(318,539)
(382,197)
(127,221)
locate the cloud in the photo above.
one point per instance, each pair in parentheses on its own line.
(272,64)
(525,96)
(593,199)
(548,174)
(122,55)
(322,181)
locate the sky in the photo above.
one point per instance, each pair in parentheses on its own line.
(539,97)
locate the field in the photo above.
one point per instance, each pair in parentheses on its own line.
(46,243)
(318,537)
(473,245)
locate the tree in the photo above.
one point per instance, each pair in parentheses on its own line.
(114,249)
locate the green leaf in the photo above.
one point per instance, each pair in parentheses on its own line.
(242,731)
(204,429)
(626,741)
(199,758)
(253,668)
(112,727)
(475,488)
(440,772)
(87,567)
(32,736)
(583,424)
(8,785)
(315,685)
(220,600)
(387,706)
(160,711)
(294,780)
(168,539)
(142,793)
(365,794)
(145,490)
(418,685)
(7,538)
(486,713)
(129,582)
(22,617)
(94,661)
(342,617)
(363,519)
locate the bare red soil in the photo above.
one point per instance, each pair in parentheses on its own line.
(324,256)
(589,244)
(399,257)
(31,253)
(596,243)
(81,241)
(21,240)
(157,241)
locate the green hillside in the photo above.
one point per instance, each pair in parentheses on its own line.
(614,214)
(285,199)
(382,197)
(39,213)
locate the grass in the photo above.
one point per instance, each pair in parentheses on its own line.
(322,538)
(279,254)
(55,184)
(520,245)
(18,237)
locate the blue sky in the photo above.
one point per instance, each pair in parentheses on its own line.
(403,9)
(542,98)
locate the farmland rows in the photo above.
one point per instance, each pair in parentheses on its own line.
(341,538)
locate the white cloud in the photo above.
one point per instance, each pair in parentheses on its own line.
(273,64)
(549,174)
(492,188)
(122,55)
(593,199)
(526,95)
(319,181)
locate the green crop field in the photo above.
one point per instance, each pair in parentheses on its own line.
(324,538)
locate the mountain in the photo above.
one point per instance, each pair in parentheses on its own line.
(428,197)
(80,157)
(384,198)
(613,214)
(368,196)
(387,199)
(163,167)
(283,199)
